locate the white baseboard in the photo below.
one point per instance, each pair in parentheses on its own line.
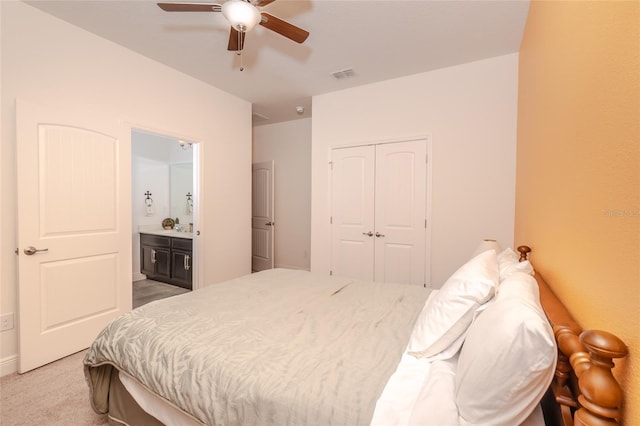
(9,365)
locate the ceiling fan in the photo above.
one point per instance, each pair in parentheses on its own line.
(243,15)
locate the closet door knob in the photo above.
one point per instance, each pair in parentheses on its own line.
(378,235)
(368,234)
(31,250)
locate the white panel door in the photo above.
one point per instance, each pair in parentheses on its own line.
(74,230)
(352,215)
(400,212)
(262,217)
(378,212)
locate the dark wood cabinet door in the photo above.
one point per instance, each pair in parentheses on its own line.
(162,263)
(146,260)
(181,271)
(154,262)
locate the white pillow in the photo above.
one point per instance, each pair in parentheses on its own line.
(509,263)
(448,315)
(508,358)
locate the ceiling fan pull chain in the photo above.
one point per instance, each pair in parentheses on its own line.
(241,45)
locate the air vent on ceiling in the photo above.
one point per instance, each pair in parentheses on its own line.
(346,73)
(256,117)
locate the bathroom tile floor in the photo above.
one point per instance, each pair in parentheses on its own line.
(145,291)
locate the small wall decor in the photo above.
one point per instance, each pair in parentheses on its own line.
(148,203)
(189,203)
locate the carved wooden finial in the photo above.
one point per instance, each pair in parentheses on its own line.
(601,395)
(569,343)
(524,252)
(590,356)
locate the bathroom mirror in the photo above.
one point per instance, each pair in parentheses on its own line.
(181,192)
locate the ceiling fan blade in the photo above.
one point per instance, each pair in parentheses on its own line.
(264,2)
(284,28)
(236,40)
(190,7)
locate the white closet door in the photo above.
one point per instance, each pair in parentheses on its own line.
(400,212)
(378,211)
(352,215)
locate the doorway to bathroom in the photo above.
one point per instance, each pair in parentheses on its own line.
(165,197)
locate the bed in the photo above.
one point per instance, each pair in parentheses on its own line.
(285,347)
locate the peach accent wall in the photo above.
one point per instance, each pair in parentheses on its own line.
(578,165)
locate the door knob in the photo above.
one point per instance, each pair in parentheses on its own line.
(269,224)
(31,250)
(378,235)
(368,234)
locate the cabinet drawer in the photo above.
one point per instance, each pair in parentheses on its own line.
(155,240)
(181,244)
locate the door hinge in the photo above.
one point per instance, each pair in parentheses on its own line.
(330,272)
(425,224)
(331,220)
(331,164)
(426,159)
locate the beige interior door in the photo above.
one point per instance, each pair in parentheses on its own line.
(400,210)
(74,249)
(352,214)
(262,217)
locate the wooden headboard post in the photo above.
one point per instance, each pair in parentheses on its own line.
(585,357)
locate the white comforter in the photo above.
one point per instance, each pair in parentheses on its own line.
(280,347)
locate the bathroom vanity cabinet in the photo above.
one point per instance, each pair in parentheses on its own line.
(166,258)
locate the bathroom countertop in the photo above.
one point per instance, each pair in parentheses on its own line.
(167,233)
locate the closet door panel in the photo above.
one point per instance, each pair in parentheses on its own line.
(397,264)
(352,215)
(400,212)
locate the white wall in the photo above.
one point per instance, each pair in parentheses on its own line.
(49,62)
(289,145)
(469,111)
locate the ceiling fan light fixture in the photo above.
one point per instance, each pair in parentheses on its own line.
(242,15)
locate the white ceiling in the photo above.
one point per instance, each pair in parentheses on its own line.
(379,40)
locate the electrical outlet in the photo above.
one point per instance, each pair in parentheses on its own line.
(6,322)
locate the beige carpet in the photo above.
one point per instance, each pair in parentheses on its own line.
(55,394)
